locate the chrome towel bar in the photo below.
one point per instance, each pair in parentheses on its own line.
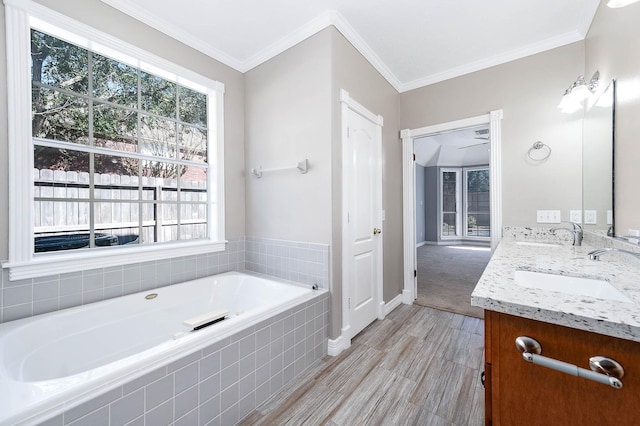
(605,370)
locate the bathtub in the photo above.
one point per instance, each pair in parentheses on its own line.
(53,362)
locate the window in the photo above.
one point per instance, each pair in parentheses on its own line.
(464,194)
(122,151)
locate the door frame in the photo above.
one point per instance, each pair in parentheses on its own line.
(349,104)
(494,119)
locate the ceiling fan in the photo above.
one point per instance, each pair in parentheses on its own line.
(482,134)
(475,144)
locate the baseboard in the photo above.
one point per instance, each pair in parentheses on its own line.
(407,297)
(336,346)
(421,244)
(392,304)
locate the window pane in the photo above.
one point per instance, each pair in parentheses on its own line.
(58,116)
(157,95)
(192,106)
(158,137)
(114,81)
(57,63)
(60,166)
(448,224)
(449,196)
(478,203)
(121,216)
(55,217)
(193,184)
(193,231)
(115,128)
(193,144)
(115,177)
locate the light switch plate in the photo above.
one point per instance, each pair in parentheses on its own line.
(575,216)
(548,216)
(590,217)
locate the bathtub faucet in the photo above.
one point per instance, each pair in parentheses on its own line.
(595,255)
(576,232)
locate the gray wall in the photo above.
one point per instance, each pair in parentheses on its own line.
(420,204)
(293,112)
(528,90)
(288,118)
(432,209)
(612,48)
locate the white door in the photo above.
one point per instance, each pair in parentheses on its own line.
(363,228)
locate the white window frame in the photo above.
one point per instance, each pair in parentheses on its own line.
(465,203)
(21,16)
(458,172)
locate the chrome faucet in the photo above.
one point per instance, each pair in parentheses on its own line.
(595,255)
(576,231)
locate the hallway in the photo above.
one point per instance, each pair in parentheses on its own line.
(418,366)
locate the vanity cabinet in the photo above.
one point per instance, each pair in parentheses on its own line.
(518,392)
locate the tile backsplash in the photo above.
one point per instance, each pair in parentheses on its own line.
(302,262)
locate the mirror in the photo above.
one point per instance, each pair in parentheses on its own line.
(597,163)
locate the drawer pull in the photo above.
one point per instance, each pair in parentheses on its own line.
(604,369)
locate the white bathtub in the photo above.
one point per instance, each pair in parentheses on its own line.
(50,363)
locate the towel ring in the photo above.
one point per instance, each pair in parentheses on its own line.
(538,146)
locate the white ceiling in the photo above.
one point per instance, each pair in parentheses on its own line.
(459,148)
(412,43)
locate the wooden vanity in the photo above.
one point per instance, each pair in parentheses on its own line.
(569,328)
(520,393)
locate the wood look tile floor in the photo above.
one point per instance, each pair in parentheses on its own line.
(418,366)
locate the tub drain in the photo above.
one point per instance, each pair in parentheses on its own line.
(151,296)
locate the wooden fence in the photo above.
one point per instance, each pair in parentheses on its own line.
(120,205)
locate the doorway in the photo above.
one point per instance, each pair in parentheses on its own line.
(493,122)
(453,213)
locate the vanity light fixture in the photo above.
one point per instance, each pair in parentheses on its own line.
(576,93)
(620,3)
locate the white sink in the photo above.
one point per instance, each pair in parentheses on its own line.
(537,244)
(578,286)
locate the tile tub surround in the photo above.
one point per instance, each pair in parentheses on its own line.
(497,291)
(306,263)
(220,384)
(25,298)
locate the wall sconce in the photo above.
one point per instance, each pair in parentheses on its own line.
(577,93)
(620,3)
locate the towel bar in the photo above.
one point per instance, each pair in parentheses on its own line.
(606,370)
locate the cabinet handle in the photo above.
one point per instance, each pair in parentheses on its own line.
(606,370)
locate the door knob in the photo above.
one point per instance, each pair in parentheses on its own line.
(377,231)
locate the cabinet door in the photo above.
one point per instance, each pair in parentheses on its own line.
(524,393)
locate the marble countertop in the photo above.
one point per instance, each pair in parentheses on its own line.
(497,291)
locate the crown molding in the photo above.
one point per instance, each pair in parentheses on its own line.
(512,55)
(312,27)
(341,24)
(334,18)
(142,15)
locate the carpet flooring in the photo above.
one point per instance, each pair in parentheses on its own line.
(448,274)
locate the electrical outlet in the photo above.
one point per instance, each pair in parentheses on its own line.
(590,217)
(548,216)
(609,217)
(634,233)
(575,216)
